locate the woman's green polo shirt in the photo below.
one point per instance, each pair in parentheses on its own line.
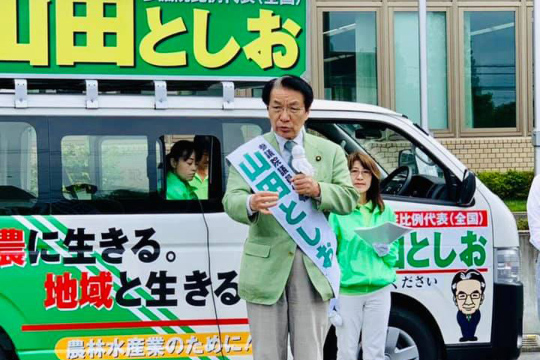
(362,270)
(178,189)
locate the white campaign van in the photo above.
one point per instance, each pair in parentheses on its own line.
(95,263)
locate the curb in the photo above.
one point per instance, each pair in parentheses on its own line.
(531,343)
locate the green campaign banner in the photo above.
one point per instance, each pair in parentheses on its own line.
(157,39)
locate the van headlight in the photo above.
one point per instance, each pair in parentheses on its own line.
(507,266)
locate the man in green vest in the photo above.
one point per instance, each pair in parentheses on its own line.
(286,294)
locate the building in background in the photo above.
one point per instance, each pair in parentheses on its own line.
(480,91)
(480,97)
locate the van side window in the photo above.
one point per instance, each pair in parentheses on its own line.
(18,165)
(184,167)
(236,134)
(104,167)
(118,165)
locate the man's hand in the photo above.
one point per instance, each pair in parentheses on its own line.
(306,185)
(263,200)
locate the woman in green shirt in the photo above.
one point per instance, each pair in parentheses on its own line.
(367,271)
(181,167)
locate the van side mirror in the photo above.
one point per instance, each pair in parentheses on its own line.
(467,189)
(406,158)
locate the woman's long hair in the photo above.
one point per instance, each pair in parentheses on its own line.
(374,192)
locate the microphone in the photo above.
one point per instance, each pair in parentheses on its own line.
(299,161)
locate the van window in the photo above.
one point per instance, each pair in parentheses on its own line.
(407,169)
(236,134)
(18,165)
(392,150)
(104,167)
(117,165)
(185,169)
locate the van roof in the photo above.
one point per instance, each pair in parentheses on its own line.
(350,106)
(320,105)
(180,102)
(75,87)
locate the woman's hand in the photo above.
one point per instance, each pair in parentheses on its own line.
(381,249)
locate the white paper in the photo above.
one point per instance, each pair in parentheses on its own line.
(385,233)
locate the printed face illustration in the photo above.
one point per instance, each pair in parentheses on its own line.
(468,296)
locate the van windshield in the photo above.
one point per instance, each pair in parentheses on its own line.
(391,149)
(407,169)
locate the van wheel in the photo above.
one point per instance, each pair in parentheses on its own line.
(409,337)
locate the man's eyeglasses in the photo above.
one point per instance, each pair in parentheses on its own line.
(293,110)
(365,173)
(473,296)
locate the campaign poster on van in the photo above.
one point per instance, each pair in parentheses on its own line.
(152,39)
(122,286)
(119,287)
(447,263)
(442,242)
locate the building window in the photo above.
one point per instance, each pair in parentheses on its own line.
(407,67)
(490,69)
(350,56)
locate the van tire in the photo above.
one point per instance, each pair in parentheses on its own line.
(411,327)
(407,330)
(7,350)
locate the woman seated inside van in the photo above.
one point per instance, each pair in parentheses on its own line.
(181,167)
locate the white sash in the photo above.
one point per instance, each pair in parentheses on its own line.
(263,168)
